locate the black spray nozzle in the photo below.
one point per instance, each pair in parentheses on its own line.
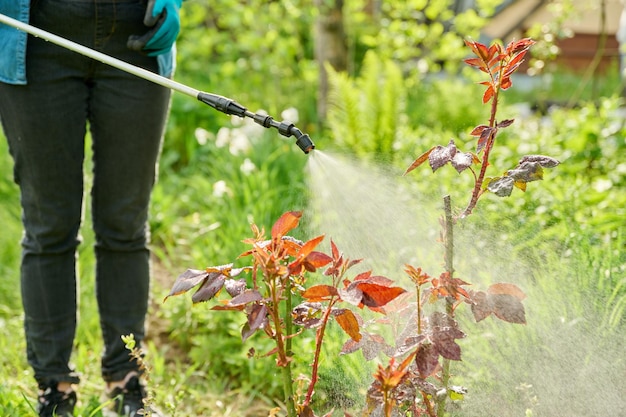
(303,140)
(228,106)
(287,129)
(223,104)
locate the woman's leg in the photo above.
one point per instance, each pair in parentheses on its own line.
(127,117)
(44,122)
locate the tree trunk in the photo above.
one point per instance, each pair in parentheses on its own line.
(330,47)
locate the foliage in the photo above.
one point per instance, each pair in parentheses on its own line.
(571,340)
(243,171)
(367,111)
(279,269)
(588,195)
(258,53)
(407,386)
(261,54)
(280,265)
(499,64)
(442,103)
(428,32)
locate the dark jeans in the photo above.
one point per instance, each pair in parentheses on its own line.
(45,123)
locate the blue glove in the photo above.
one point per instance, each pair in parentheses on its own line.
(162,16)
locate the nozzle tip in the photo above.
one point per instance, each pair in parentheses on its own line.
(305,143)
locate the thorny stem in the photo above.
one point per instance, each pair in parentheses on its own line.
(288,389)
(287,318)
(288,332)
(448,235)
(429,406)
(283,358)
(449,265)
(418,291)
(388,401)
(319,337)
(478,184)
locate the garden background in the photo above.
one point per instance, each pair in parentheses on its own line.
(403,89)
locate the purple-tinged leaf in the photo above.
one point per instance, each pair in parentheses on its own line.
(351,294)
(210,287)
(350,347)
(446,346)
(461,161)
(505,123)
(256,320)
(441,155)
(481,306)
(544,161)
(427,359)
(526,172)
(186,281)
(485,136)
(409,344)
(235,287)
(439,322)
(307,315)
(248,296)
(370,344)
(508,308)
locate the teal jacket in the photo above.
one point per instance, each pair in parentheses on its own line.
(13,46)
(13,42)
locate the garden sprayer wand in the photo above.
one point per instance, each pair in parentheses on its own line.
(223,104)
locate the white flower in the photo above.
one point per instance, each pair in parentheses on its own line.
(602,184)
(223,137)
(220,188)
(236,120)
(202,135)
(252,129)
(239,142)
(247,167)
(290,114)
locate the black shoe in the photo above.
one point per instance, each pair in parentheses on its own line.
(129,401)
(53,403)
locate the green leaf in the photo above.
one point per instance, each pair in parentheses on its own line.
(457,393)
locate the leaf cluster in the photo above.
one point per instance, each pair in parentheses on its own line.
(280,266)
(499,63)
(428,340)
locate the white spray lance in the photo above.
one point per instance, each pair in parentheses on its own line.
(223,104)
